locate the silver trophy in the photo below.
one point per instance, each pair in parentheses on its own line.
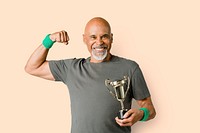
(118,89)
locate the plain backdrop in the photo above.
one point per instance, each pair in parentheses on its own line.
(162,36)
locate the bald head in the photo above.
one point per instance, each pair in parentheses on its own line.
(97,22)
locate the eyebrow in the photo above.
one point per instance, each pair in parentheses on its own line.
(101,36)
(106,35)
(92,35)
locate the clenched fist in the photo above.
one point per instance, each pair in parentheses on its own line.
(61,37)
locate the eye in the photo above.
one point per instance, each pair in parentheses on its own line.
(93,37)
(106,36)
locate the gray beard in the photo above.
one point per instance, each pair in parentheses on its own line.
(99,56)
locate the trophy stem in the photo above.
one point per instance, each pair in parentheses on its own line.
(122,111)
(122,104)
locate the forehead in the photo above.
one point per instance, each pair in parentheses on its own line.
(97,27)
(97,30)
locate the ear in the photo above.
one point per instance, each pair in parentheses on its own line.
(84,39)
(111,38)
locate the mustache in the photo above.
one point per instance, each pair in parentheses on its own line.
(100,46)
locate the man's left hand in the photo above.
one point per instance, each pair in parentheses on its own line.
(130,117)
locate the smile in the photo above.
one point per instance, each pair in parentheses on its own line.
(100,47)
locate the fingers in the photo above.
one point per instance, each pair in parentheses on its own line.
(124,122)
(128,113)
(61,37)
(65,37)
(130,118)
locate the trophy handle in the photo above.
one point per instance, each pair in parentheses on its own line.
(128,85)
(107,83)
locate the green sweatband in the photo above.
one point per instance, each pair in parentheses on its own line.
(146,114)
(47,42)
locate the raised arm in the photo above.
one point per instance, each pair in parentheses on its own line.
(37,64)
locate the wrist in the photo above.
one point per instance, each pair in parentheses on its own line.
(141,114)
(52,38)
(146,114)
(48,42)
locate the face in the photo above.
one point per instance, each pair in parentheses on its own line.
(98,39)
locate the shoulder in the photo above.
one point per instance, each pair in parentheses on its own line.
(74,61)
(127,62)
(67,62)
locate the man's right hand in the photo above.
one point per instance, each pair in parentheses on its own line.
(61,37)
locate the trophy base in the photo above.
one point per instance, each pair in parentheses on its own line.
(121,114)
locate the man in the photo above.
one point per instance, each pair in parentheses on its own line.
(93,109)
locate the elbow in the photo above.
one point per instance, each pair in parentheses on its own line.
(153,114)
(28,70)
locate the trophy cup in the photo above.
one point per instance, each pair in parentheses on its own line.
(118,89)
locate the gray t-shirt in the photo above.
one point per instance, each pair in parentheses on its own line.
(92,106)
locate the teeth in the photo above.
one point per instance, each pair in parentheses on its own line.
(99,48)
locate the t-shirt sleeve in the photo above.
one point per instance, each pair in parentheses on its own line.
(139,86)
(59,69)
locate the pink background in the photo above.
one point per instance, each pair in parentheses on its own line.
(162,36)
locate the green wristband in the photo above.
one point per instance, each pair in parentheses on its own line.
(146,114)
(47,42)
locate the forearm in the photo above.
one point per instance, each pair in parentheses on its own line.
(36,59)
(147,103)
(134,115)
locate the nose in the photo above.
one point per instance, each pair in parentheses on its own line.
(99,41)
